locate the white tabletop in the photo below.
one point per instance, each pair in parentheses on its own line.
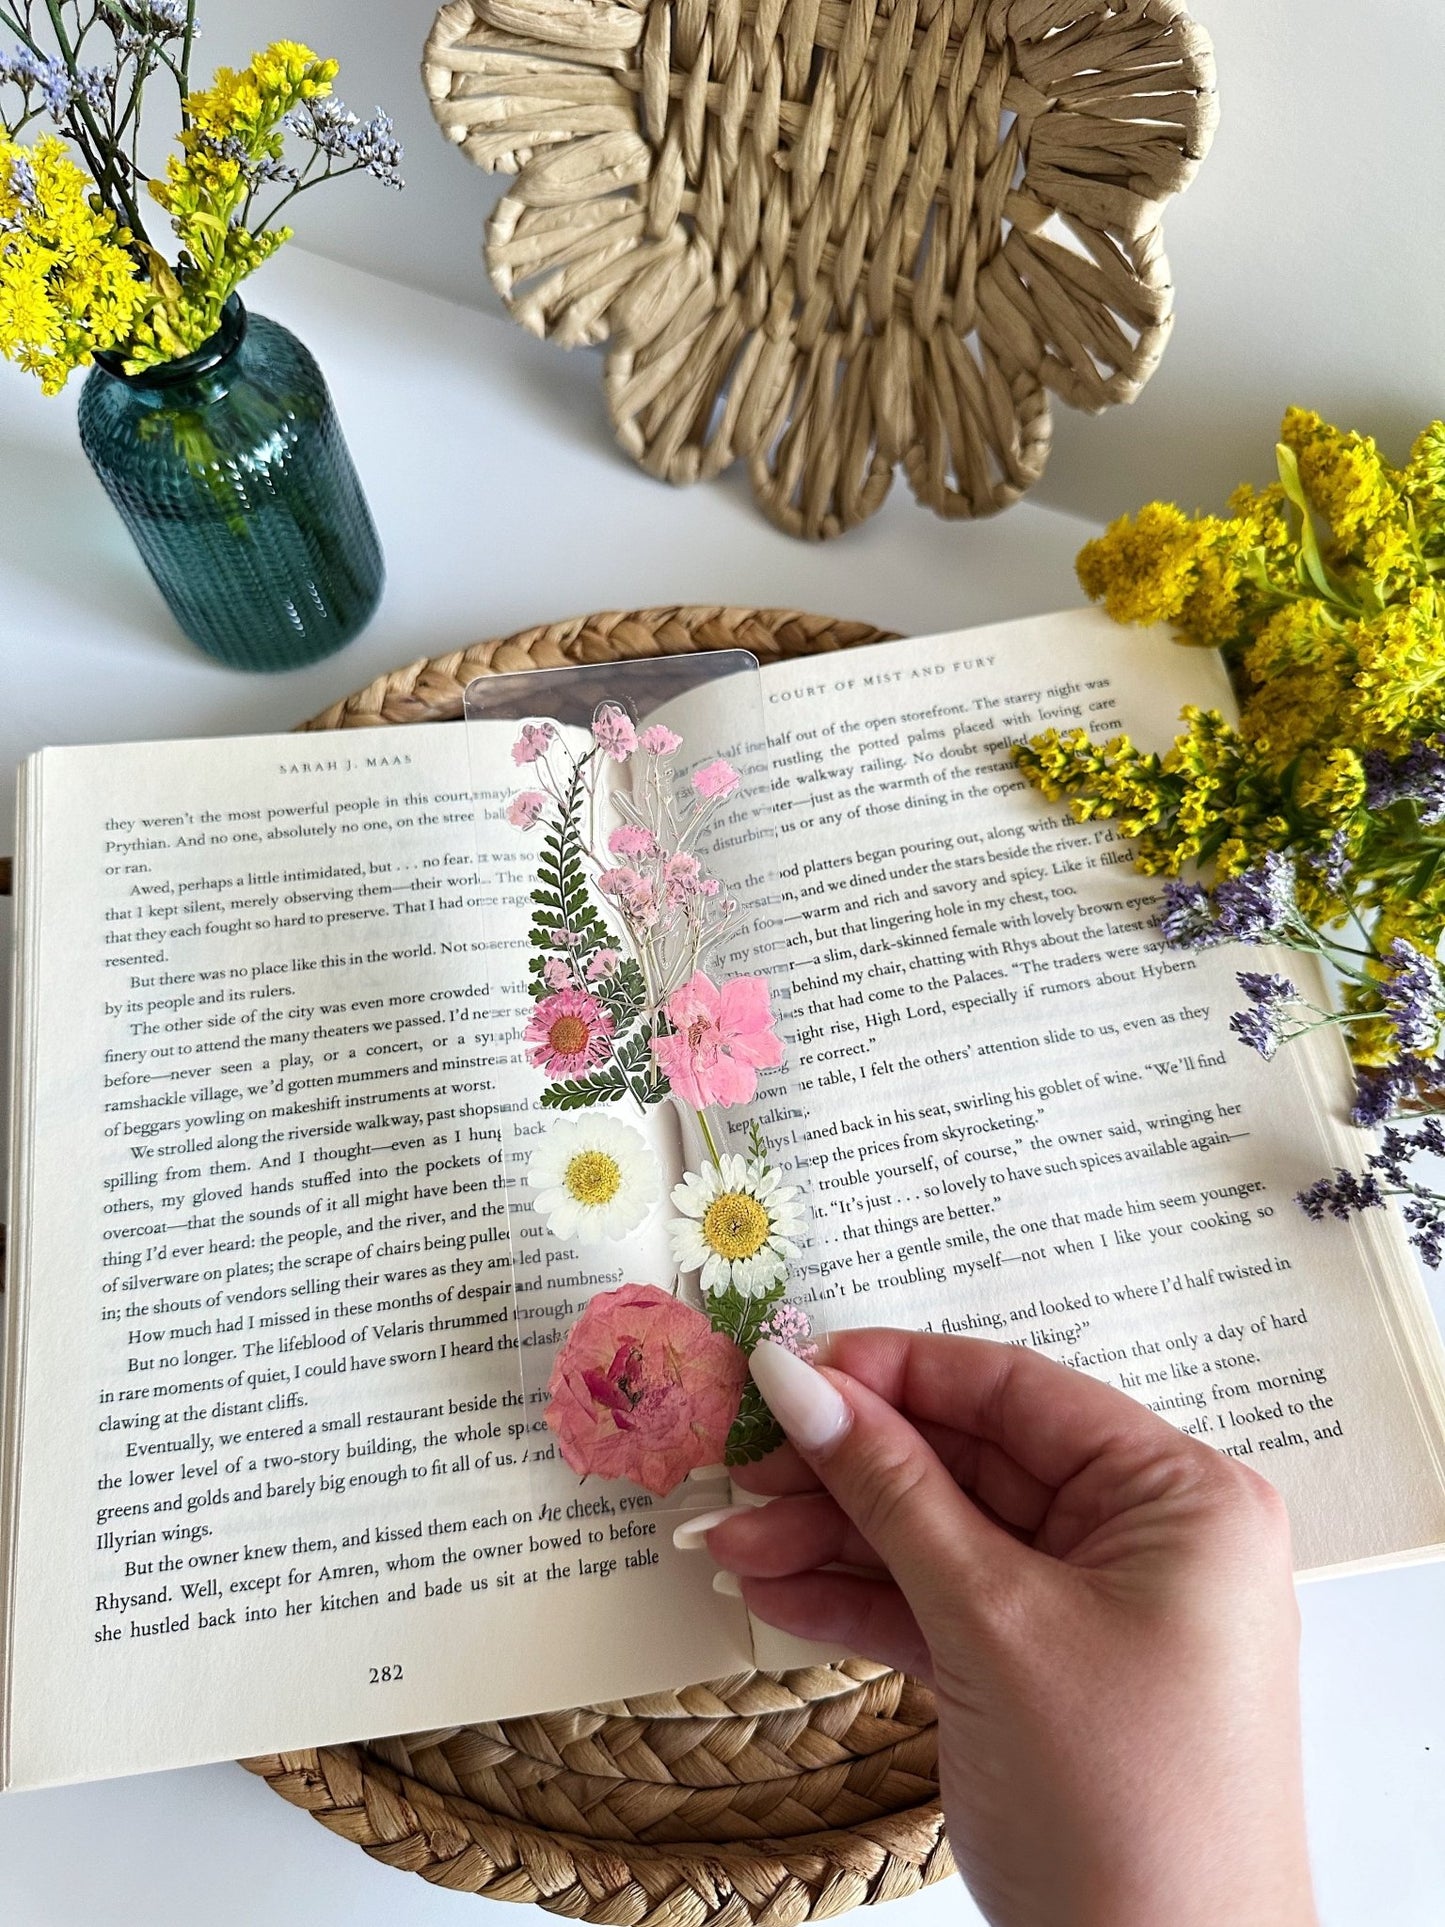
(502,501)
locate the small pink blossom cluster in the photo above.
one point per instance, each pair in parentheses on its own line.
(790,1326)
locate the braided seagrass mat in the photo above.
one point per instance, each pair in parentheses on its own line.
(769,1798)
(826,237)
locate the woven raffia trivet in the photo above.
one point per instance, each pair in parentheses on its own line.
(825,237)
(767,1797)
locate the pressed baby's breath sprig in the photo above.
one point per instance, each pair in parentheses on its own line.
(1317,822)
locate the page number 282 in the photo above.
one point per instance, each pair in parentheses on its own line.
(385,1675)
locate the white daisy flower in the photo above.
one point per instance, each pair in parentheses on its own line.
(593,1178)
(739,1225)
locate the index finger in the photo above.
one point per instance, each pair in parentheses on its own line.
(1048,1418)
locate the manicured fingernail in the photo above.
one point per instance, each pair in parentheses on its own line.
(693,1532)
(728,1584)
(812,1412)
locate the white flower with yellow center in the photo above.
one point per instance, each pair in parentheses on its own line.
(593,1178)
(739,1226)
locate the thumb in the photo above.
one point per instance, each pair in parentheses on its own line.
(888,1480)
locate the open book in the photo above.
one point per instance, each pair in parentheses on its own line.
(265,1478)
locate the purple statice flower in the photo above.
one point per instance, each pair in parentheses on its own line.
(165,18)
(257,168)
(1397,1148)
(58,88)
(1262,1025)
(369,144)
(1258,904)
(21,183)
(1188,918)
(1417,777)
(1378,1090)
(1348,1191)
(1413,995)
(1341,1195)
(1333,863)
(91,88)
(1427,1229)
(43,71)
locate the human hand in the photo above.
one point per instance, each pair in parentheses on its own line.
(1103,1606)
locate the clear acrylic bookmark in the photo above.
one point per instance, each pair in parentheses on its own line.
(652,1233)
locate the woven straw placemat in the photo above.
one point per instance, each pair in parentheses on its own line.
(768,1798)
(829,238)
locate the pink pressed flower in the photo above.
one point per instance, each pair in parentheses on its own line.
(682,876)
(723,1036)
(716,780)
(569,1032)
(708,887)
(790,1326)
(557,974)
(632,840)
(644,1389)
(602,965)
(532,743)
(659,741)
(523,810)
(613,733)
(633,892)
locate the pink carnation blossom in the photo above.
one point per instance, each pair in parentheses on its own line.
(632,840)
(568,1034)
(532,743)
(613,733)
(557,973)
(682,876)
(644,1389)
(523,810)
(602,965)
(715,780)
(723,1036)
(659,741)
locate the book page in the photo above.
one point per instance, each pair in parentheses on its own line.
(1018,1115)
(268,1439)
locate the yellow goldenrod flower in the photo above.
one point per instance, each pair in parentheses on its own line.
(68,283)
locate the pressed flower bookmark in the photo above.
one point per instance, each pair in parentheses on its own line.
(641,1020)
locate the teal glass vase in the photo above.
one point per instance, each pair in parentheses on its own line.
(230,470)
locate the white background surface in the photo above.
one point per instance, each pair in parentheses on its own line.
(1307,254)
(500,502)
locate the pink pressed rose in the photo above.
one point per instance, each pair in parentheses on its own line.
(532,743)
(716,780)
(568,1034)
(659,741)
(613,733)
(644,1389)
(557,973)
(523,810)
(602,965)
(723,1036)
(632,840)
